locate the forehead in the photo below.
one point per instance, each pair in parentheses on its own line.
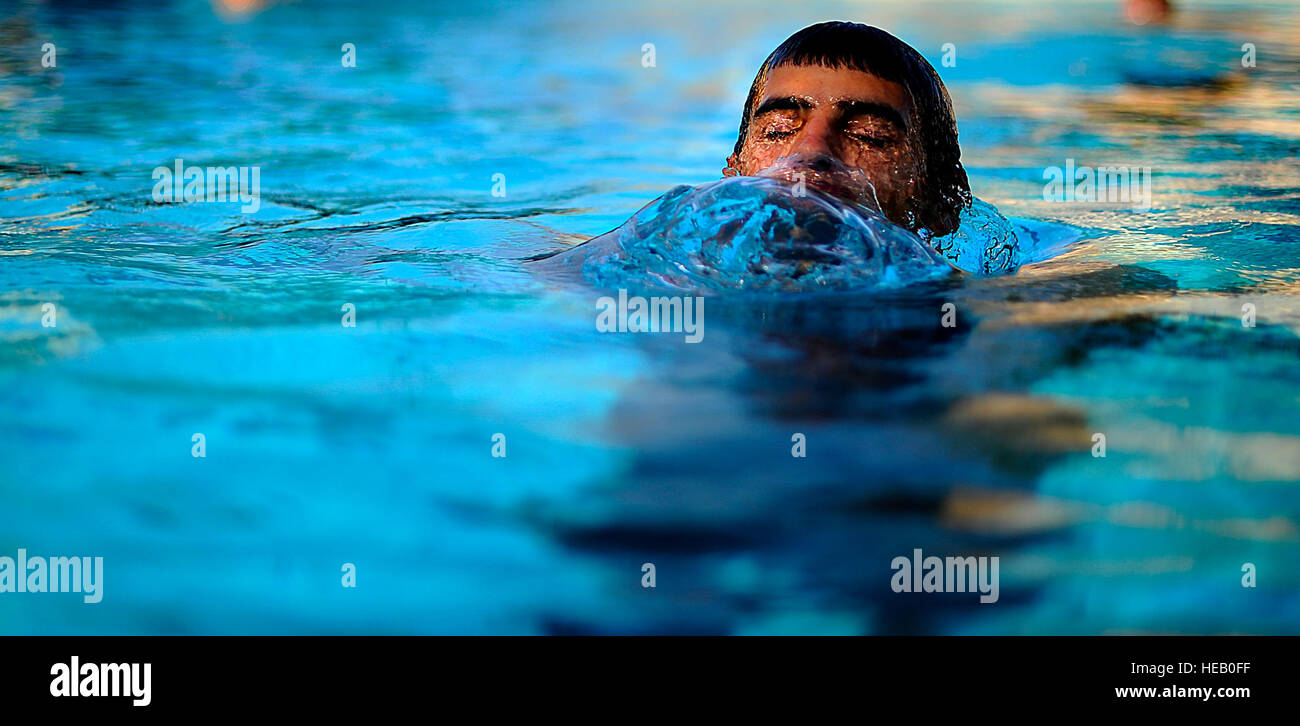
(828,85)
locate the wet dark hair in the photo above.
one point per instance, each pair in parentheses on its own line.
(945,190)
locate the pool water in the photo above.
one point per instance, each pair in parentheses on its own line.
(1173,331)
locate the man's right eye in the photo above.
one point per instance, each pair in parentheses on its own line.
(777,133)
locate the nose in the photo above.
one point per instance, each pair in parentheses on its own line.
(815,137)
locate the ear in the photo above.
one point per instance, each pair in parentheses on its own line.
(731,169)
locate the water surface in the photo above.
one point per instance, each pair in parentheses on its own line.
(372,445)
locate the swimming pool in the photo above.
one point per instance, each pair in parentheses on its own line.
(373,444)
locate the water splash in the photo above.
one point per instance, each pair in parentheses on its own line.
(984,243)
(765,234)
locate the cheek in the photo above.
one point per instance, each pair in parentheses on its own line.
(758,154)
(891,172)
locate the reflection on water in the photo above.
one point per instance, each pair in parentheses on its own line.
(372,445)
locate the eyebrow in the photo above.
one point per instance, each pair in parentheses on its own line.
(783,103)
(849,108)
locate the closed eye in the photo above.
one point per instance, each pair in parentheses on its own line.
(870,138)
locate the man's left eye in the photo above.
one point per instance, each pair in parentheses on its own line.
(869,137)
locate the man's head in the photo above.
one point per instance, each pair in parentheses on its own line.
(845,97)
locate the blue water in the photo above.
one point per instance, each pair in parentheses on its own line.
(372,444)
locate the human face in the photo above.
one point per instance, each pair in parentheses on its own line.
(858,119)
